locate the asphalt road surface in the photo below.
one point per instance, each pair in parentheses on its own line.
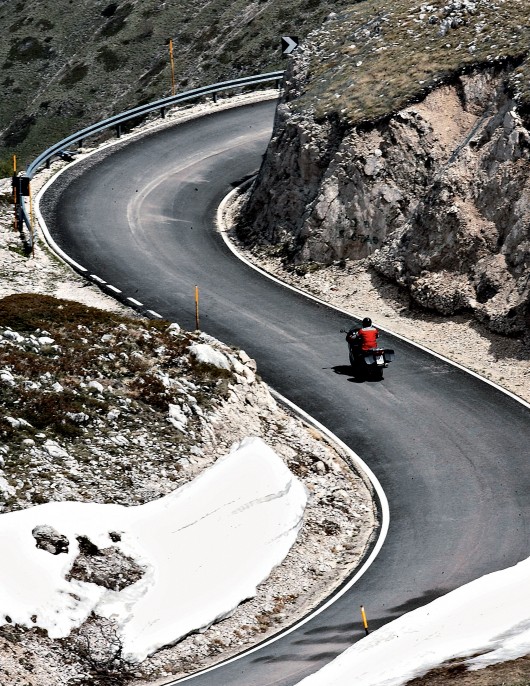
(450,451)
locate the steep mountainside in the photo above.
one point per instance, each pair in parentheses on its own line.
(66,64)
(403,135)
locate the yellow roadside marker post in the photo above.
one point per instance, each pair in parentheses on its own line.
(365,621)
(197,308)
(172,66)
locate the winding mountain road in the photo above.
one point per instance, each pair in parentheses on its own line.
(450,451)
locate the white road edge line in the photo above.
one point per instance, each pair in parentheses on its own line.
(155,314)
(96,278)
(223,231)
(364,471)
(113,288)
(135,302)
(47,237)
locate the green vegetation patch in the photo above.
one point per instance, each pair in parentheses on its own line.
(44,24)
(68,343)
(110,59)
(109,10)
(376,57)
(118,19)
(74,74)
(28,49)
(18,130)
(29,312)
(54,128)
(6,167)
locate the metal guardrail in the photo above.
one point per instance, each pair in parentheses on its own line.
(58,149)
(161,105)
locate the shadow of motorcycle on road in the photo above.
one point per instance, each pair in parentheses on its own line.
(346,370)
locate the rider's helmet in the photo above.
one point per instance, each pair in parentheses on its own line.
(367,321)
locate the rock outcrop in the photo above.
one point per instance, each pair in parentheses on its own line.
(437,194)
(49,539)
(108,567)
(466,245)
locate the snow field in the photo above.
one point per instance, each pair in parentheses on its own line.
(204,547)
(489,617)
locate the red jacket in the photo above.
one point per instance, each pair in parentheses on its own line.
(368,337)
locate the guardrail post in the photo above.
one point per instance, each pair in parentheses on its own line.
(215,96)
(19,217)
(163,112)
(48,163)
(80,143)
(118,130)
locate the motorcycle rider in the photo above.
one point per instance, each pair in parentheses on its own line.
(364,338)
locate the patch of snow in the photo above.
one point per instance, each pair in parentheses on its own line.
(489,617)
(204,547)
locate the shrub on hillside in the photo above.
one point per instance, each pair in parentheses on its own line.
(45,410)
(28,49)
(110,59)
(31,311)
(75,73)
(117,21)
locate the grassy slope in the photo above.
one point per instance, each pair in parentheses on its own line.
(377,56)
(130,370)
(66,64)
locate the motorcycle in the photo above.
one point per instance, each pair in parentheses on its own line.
(367,364)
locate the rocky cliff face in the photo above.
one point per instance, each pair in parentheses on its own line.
(403,137)
(438,196)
